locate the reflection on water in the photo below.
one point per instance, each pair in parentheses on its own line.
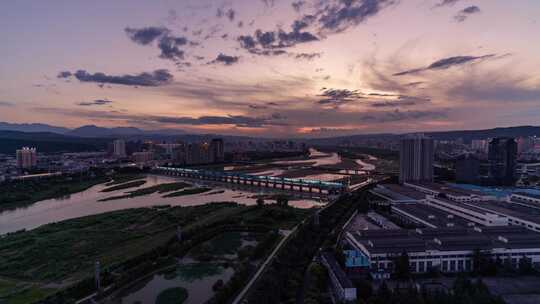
(86,203)
(197,278)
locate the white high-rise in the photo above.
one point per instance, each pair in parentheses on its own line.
(416,155)
(119,148)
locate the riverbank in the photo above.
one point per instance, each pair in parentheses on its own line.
(55,256)
(23,193)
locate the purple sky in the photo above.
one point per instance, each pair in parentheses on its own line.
(272,68)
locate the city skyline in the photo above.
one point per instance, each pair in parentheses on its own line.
(272,68)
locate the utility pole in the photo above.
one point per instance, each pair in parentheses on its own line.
(97,274)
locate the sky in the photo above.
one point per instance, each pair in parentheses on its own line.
(272,68)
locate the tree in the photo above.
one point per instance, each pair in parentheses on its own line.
(403,270)
(525,265)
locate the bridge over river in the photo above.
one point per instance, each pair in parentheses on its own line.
(293,184)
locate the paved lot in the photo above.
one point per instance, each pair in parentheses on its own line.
(515,290)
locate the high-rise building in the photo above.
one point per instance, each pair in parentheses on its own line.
(143,157)
(26,158)
(502,160)
(524,144)
(467,168)
(416,159)
(479,145)
(217,150)
(119,148)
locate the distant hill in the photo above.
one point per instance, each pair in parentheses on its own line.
(95,131)
(467,135)
(32,127)
(48,142)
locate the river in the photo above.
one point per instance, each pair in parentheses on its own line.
(87,203)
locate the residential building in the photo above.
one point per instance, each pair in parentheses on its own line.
(143,157)
(119,148)
(479,145)
(26,158)
(416,159)
(467,169)
(502,161)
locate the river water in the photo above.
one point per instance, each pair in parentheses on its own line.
(87,203)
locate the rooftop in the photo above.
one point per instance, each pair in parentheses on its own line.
(398,192)
(336,269)
(432,215)
(531,195)
(448,239)
(442,188)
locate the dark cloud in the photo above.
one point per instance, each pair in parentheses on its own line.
(236,120)
(400,101)
(146,35)
(64,74)
(225,59)
(466,12)
(446,63)
(307,56)
(6,104)
(298,5)
(338,15)
(169,47)
(258,107)
(337,97)
(276,39)
(145,79)
(230,14)
(446,3)
(168,44)
(269,3)
(97,102)
(229,120)
(220,12)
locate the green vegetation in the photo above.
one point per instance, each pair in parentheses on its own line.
(464,291)
(29,295)
(123,186)
(175,295)
(188,192)
(161,188)
(196,271)
(283,280)
(225,243)
(124,178)
(131,243)
(21,193)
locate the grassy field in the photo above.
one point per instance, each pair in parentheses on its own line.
(18,194)
(123,186)
(188,192)
(175,295)
(161,188)
(66,251)
(124,178)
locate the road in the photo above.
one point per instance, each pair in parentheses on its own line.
(244,291)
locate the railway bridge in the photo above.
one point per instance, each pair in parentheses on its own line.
(293,184)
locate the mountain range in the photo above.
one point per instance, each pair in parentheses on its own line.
(86,131)
(92,131)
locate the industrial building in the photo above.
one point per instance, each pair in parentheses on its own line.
(342,287)
(428,216)
(396,194)
(446,249)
